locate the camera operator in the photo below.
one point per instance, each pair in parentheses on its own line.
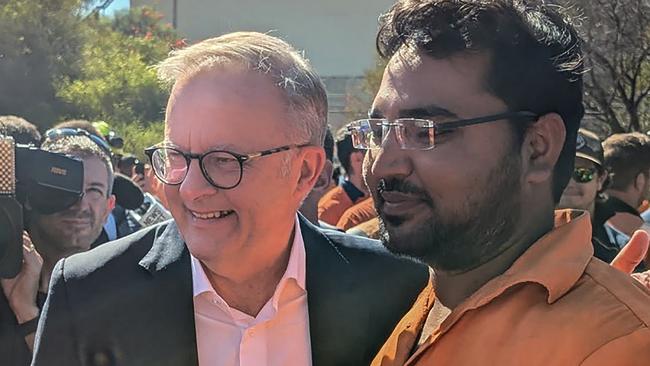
(127,194)
(13,345)
(63,233)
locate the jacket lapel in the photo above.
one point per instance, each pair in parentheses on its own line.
(337,316)
(168,262)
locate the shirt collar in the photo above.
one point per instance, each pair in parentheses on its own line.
(295,272)
(352,191)
(556,261)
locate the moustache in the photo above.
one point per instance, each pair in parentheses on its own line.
(402,186)
(74,215)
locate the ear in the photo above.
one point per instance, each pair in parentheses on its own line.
(356,161)
(542,147)
(602,178)
(640,182)
(325,177)
(312,161)
(110,205)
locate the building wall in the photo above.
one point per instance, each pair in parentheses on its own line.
(337,36)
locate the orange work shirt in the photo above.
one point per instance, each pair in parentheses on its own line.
(357,214)
(334,203)
(556,305)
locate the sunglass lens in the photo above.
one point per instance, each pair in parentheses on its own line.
(582,175)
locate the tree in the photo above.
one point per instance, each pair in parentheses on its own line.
(117,82)
(40,41)
(617,49)
(359,99)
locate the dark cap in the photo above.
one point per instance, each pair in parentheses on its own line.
(589,146)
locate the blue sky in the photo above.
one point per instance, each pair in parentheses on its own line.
(117,5)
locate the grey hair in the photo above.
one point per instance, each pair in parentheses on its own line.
(290,71)
(81,147)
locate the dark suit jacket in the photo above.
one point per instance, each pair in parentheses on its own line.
(129,302)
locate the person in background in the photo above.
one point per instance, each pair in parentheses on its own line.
(22,131)
(61,234)
(309,208)
(128,195)
(17,322)
(627,157)
(585,188)
(357,214)
(352,190)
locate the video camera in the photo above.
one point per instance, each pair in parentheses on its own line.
(43,181)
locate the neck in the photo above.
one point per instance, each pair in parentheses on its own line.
(628,197)
(453,288)
(310,211)
(592,209)
(357,180)
(247,288)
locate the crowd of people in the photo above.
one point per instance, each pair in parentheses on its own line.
(469,220)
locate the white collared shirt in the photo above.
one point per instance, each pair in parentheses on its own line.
(278,335)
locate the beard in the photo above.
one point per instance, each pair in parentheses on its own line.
(64,239)
(472,235)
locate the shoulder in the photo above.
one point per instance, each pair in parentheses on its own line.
(619,291)
(372,255)
(612,315)
(112,256)
(629,349)
(333,197)
(357,214)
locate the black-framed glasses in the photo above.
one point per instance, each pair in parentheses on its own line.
(221,168)
(57,133)
(584,175)
(414,133)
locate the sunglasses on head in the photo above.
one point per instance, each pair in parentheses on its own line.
(57,133)
(584,175)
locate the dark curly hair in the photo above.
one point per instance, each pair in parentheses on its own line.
(536,55)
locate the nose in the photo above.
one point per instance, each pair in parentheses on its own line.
(195,185)
(80,204)
(389,160)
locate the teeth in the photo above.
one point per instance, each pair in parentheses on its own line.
(210,215)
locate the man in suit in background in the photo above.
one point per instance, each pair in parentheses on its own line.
(238,277)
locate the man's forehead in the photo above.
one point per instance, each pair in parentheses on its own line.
(232,110)
(413,80)
(94,169)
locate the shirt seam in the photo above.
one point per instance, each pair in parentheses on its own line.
(642,324)
(612,340)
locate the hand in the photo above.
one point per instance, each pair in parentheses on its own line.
(21,291)
(632,254)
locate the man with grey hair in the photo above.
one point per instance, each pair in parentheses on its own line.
(60,234)
(238,277)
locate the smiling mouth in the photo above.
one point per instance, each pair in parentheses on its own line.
(211,215)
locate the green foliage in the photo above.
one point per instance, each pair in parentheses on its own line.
(143,22)
(359,99)
(138,137)
(39,42)
(117,83)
